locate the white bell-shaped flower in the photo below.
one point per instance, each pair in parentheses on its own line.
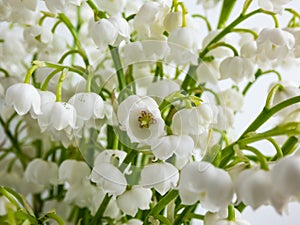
(253,187)
(138,197)
(74,172)
(108,176)
(148,21)
(47,101)
(208,4)
(113,7)
(220,218)
(141,119)
(275,43)
(192,121)
(182,146)
(201,181)
(172,21)
(237,68)
(184,44)
(273,5)
(24,98)
(160,176)
(84,195)
(133,53)
(162,88)
(233,99)
(285,182)
(154,50)
(89,107)
(41,172)
(62,116)
(37,37)
(123,29)
(207,72)
(103,33)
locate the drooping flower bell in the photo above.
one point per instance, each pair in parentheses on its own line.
(24,98)
(201,181)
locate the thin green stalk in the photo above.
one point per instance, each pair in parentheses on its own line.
(293,12)
(262,159)
(161,205)
(279,153)
(182,216)
(118,66)
(5,72)
(268,113)
(99,214)
(59,85)
(71,52)
(231,213)
(29,73)
(224,44)
(47,80)
(245,30)
(205,20)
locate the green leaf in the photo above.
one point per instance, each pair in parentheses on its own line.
(225,12)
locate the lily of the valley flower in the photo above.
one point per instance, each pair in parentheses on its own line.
(161,176)
(201,181)
(275,43)
(42,172)
(182,146)
(108,176)
(237,68)
(47,101)
(273,5)
(286,182)
(24,98)
(112,6)
(138,197)
(74,172)
(89,107)
(253,187)
(141,119)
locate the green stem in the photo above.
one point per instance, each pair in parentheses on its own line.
(101,210)
(47,80)
(293,12)
(247,3)
(231,213)
(205,20)
(54,217)
(279,153)
(71,52)
(29,73)
(184,12)
(245,30)
(89,79)
(161,204)
(225,12)
(260,156)
(118,66)
(223,44)
(59,85)
(267,113)
(158,71)
(184,214)
(5,72)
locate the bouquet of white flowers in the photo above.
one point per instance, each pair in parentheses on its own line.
(123,112)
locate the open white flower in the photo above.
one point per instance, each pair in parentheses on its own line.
(24,98)
(201,181)
(74,172)
(138,197)
(161,176)
(141,119)
(220,218)
(182,146)
(89,108)
(237,68)
(253,187)
(42,172)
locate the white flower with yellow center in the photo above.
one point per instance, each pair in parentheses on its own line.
(141,119)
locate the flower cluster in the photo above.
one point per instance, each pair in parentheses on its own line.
(124,112)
